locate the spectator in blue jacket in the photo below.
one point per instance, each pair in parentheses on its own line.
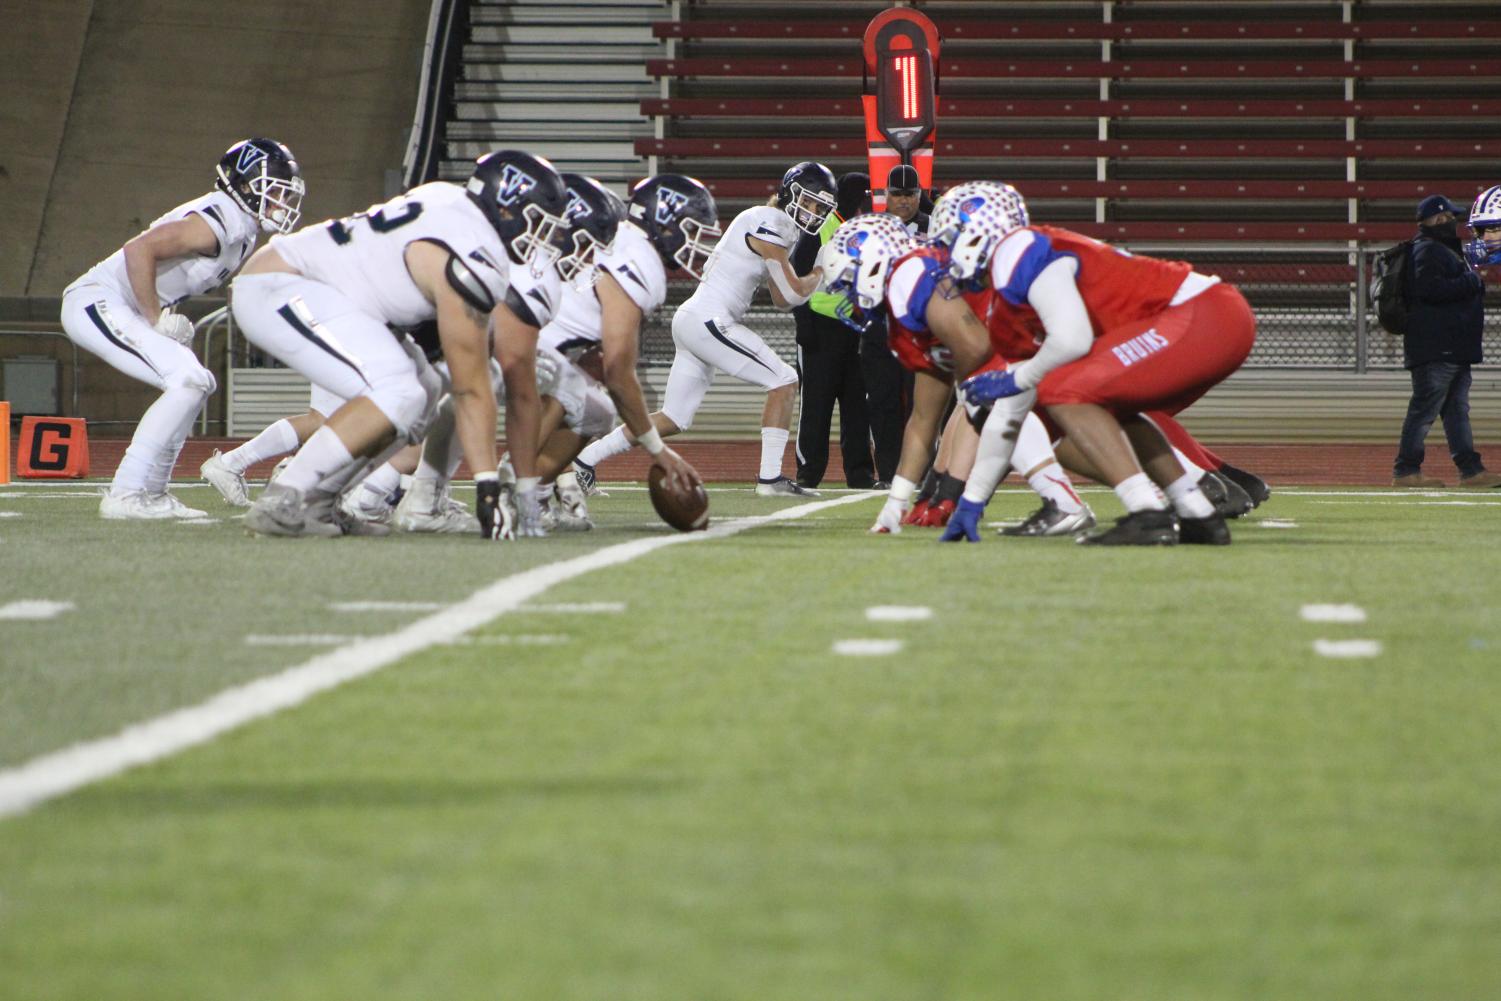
(1444,320)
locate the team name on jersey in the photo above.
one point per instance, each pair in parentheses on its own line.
(1139,348)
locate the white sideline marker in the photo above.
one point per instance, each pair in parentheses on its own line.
(898,613)
(1347,649)
(1332,613)
(867,648)
(1276,523)
(10,514)
(34,610)
(52,775)
(385,606)
(587,607)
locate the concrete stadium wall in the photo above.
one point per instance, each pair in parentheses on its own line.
(127,105)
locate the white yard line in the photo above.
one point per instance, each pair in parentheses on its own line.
(1332,613)
(867,648)
(30,611)
(52,775)
(579,608)
(1347,649)
(385,606)
(898,613)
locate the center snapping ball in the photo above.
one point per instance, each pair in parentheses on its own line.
(684,511)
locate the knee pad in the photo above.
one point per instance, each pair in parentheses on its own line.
(194,377)
(403,400)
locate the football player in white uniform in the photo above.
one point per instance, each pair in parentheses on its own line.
(708,333)
(120,310)
(322,300)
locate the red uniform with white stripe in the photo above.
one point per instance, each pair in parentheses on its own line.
(1163,336)
(915,278)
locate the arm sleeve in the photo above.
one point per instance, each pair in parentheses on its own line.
(1055,296)
(779,279)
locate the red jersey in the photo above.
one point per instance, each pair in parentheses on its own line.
(1117,287)
(914,278)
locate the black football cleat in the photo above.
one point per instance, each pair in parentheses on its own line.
(1229,500)
(1139,528)
(1210,531)
(1252,484)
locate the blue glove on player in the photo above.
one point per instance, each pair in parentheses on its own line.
(987,387)
(964,523)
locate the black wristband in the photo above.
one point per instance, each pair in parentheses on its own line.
(949,488)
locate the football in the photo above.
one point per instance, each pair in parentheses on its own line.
(686,512)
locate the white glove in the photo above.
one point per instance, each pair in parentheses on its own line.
(889,521)
(548,371)
(528,515)
(175,326)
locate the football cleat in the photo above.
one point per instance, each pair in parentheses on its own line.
(781,486)
(570,509)
(358,517)
(1139,528)
(133,506)
(584,473)
(1050,520)
(915,516)
(1210,531)
(425,511)
(278,469)
(175,507)
(230,484)
(1229,500)
(281,511)
(1252,484)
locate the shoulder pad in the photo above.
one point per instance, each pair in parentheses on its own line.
(463,280)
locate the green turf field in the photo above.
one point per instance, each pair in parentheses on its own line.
(1089,775)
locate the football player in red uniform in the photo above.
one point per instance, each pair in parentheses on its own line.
(1113,335)
(892,268)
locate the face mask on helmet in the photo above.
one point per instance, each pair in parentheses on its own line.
(540,244)
(699,241)
(859,263)
(280,202)
(1483,252)
(809,208)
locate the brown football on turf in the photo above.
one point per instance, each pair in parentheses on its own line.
(686,512)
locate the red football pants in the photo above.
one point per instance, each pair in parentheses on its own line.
(1165,362)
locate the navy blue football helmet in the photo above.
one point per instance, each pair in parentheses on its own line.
(263,178)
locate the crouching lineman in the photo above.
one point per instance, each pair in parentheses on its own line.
(121,310)
(709,334)
(1103,336)
(322,299)
(876,264)
(614,277)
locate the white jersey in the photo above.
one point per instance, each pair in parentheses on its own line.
(634,263)
(363,256)
(735,271)
(178,278)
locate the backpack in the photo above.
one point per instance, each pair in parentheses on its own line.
(1389,287)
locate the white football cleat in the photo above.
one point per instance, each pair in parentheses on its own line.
(421,510)
(230,484)
(360,518)
(782,487)
(281,511)
(176,507)
(133,506)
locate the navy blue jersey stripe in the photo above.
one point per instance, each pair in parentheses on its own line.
(719,336)
(92,309)
(287,313)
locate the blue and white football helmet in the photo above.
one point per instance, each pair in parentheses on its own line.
(593,214)
(1484,251)
(525,199)
(857,264)
(970,220)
